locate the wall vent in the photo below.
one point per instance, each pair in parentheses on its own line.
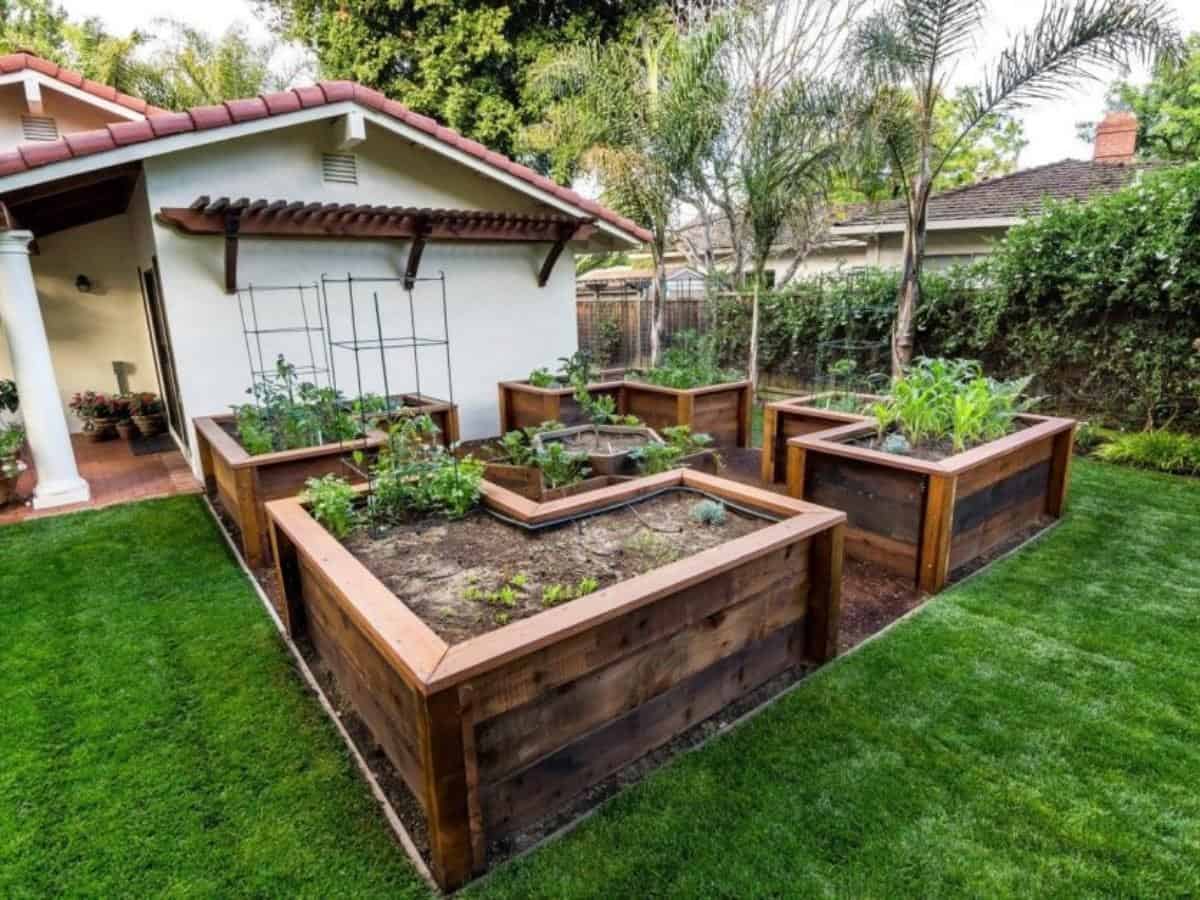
(39,128)
(339,168)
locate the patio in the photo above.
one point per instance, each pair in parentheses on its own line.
(115,475)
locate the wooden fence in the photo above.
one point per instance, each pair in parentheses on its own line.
(614,321)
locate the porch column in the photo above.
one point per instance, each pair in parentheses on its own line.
(58,481)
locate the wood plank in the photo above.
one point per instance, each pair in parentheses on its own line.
(529,795)
(767,464)
(824,595)
(894,556)
(797,459)
(466,702)
(447,813)
(994,531)
(934,558)
(1017,488)
(1004,466)
(882,500)
(1060,472)
(554,719)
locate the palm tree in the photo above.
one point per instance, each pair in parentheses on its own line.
(907,52)
(638,119)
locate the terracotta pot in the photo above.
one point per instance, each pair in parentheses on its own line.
(126,429)
(98,430)
(149,426)
(8,484)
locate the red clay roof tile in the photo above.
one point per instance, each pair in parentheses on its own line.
(162,123)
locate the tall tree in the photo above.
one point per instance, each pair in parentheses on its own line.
(464,62)
(637,118)
(1167,107)
(907,52)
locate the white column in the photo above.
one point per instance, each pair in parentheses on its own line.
(58,481)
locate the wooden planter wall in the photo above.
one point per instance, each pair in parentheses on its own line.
(786,419)
(529,483)
(500,731)
(720,410)
(925,519)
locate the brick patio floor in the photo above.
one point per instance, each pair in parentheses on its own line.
(115,476)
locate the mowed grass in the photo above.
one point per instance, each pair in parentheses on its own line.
(1035,732)
(155,740)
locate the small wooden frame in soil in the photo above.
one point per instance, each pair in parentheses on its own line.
(242,483)
(786,419)
(925,519)
(609,448)
(721,411)
(501,730)
(530,483)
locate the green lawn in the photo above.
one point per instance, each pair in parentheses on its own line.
(154,739)
(1032,732)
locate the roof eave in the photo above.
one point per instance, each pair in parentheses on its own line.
(875,228)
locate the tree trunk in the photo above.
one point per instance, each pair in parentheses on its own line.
(658,295)
(909,293)
(752,367)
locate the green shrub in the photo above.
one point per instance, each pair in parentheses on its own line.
(415,476)
(542,378)
(1164,451)
(289,414)
(691,361)
(709,512)
(561,468)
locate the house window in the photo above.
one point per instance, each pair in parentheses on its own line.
(339,168)
(39,128)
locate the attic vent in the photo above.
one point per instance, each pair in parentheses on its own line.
(341,168)
(39,128)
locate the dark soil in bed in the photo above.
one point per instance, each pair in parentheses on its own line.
(933,451)
(470,576)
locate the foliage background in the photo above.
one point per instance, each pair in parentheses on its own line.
(1100,301)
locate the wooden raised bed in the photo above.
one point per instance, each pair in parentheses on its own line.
(786,419)
(529,483)
(925,519)
(524,406)
(444,415)
(720,410)
(496,732)
(243,483)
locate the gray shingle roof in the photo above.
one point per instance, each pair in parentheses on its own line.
(1011,196)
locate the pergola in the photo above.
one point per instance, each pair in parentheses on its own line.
(234,219)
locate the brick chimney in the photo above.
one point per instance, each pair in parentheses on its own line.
(1116,138)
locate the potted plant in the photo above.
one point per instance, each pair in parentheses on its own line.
(125,427)
(97,412)
(12,440)
(146,409)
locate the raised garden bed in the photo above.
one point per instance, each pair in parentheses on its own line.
(524,406)
(721,411)
(922,518)
(503,728)
(609,448)
(529,482)
(790,418)
(242,484)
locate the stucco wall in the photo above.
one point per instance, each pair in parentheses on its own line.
(501,323)
(88,332)
(70,114)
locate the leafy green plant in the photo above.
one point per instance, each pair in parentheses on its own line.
(608,340)
(331,501)
(556,594)
(1164,451)
(413,475)
(577,368)
(560,467)
(10,400)
(691,361)
(12,440)
(507,595)
(709,512)
(651,459)
(289,414)
(946,399)
(543,378)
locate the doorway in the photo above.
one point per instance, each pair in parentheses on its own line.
(164,354)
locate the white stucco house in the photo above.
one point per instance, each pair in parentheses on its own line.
(130,234)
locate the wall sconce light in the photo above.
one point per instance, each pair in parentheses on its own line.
(83,284)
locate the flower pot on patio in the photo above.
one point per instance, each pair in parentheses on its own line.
(10,473)
(146,410)
(126,429)
(149,426)
(103,428)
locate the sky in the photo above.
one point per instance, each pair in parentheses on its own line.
(1049,125)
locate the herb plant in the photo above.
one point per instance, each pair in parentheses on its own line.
(289,414)
(560,467)
(651,459)
(709,512)
(542,378)
(415,476)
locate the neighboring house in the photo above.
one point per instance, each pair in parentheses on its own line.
(620,279)
(144,224)
(963,223)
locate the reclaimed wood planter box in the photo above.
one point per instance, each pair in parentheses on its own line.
(524,406)
(444,415)
(243,483)
(529,482)
(719,410)
(924,520)
(497,732)
(786,419)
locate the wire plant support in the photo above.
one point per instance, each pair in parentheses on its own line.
(368,336)
(267,339)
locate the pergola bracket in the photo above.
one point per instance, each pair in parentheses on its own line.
(414,253)
(564,235)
